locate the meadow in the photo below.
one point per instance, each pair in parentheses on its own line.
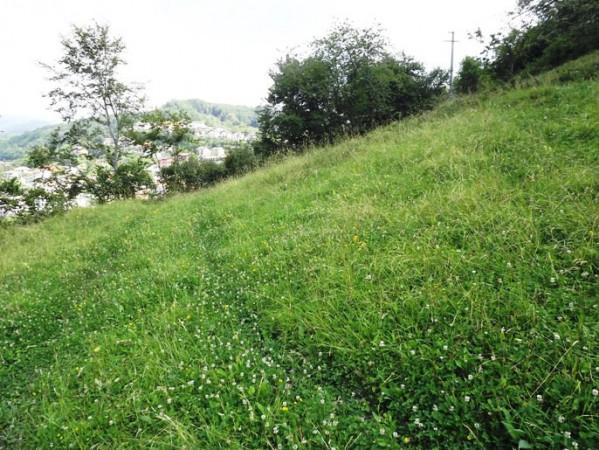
(432,284)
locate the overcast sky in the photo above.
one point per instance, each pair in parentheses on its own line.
(219,50)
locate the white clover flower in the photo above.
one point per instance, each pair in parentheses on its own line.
(382,344)
(539,398)
(412,352)
(470,377)
(595,392)
(467,398)
(567,434)
(561,419)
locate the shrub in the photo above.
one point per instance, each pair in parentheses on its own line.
(240,160)
(469,78)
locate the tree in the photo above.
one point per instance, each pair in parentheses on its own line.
(99,110)
(469,77)
(88,88)
(550,33)
(348,84)
(240,160)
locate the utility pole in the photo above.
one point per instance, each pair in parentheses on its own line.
(453,41)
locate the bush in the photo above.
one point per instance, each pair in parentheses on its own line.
(29,205)
(124,182)
(469,78)
(240,160)
(191,174)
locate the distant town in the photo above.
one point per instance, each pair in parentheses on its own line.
(215,141)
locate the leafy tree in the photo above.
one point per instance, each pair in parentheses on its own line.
(469,78)
(551,32)
(98,110)
(240,160)
(348,84)
(88,88)
(128,179)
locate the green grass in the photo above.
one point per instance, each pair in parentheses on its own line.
(433,284)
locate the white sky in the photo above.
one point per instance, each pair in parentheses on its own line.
(219,50)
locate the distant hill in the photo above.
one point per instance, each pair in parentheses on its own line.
(232,117)
(14,146)
(215,114)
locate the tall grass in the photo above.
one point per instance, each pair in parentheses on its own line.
(430,285)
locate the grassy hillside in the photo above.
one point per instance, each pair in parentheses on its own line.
(433,284)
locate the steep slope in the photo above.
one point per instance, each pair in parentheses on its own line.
(433,284)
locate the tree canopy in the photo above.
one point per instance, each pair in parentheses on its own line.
(348,83)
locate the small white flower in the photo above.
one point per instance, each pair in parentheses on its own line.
(567,434)
(382,344)
(552,280)
(467,398)
(539,398)
(595,392)
(412,352)
(561,419)
(382,431)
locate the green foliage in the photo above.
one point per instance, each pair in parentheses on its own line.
(469,78)
(128,179)
(191,174)
(22,206)
(553,32)
(348,85)
(240,160)
(433,284)
(160,131)
(10,187)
